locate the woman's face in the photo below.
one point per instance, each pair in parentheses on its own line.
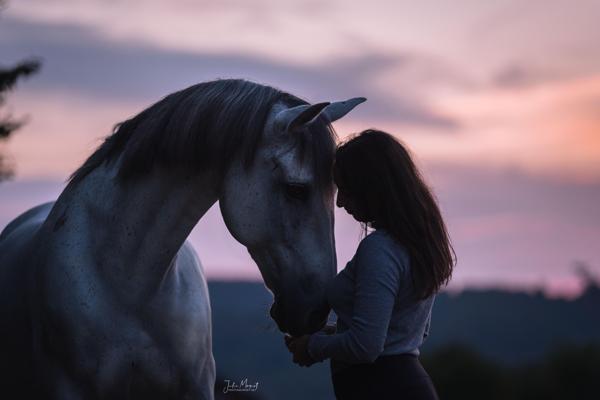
(348,202)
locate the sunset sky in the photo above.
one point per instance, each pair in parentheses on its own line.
(498,100)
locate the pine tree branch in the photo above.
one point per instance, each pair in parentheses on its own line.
(9,77)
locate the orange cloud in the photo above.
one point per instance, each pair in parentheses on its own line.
(550,129)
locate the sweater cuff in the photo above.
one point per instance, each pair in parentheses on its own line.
(316,343)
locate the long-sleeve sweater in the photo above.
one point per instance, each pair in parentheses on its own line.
(377,313)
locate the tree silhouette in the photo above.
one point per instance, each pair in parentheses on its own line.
(586,275)
(8,79)
(568,372)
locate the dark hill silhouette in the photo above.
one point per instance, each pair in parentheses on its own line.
(571,372)
(498,328)
(513,328)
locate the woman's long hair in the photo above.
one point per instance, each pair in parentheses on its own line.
(377,172)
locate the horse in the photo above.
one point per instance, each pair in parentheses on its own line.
(101,296)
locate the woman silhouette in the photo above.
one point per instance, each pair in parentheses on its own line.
(384,296)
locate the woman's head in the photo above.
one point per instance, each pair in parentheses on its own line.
(379,185)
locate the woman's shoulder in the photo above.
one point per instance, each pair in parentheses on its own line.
(379,243)
(381,238)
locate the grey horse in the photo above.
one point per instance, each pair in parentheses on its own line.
(100,294)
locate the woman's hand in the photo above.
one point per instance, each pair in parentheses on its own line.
(298,346)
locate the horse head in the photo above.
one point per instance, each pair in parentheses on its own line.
(281,208)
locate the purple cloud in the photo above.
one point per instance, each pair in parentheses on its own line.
(76,59)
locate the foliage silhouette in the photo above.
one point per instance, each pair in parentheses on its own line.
(568,372)
(8,78)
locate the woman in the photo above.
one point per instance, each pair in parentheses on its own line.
(384,295)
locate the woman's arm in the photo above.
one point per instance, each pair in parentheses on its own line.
(377,283)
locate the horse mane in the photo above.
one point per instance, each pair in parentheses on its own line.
(206,125)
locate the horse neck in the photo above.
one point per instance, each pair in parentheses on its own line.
(137,227)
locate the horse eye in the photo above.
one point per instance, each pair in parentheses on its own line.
(297,191)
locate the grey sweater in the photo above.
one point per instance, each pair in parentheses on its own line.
(372,299)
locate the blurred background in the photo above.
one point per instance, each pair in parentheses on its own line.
(498,100)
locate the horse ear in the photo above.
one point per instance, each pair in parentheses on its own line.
(299,116)
(337,110)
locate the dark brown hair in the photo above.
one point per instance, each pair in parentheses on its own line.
(378,173)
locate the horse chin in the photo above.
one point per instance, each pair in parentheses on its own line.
(279,320)
(296,329)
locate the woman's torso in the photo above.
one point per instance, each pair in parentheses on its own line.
(410,318)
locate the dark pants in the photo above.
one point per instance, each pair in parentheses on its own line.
(400,377)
